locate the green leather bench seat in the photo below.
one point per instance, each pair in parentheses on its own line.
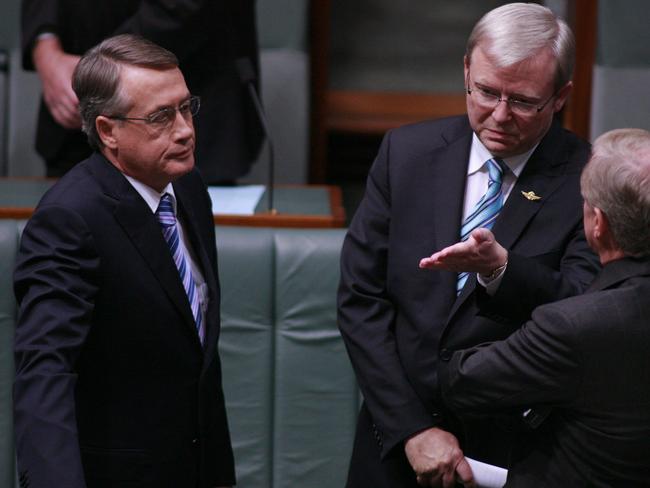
(290,390)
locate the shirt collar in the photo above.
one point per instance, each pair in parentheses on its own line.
(151,196)
(479,154)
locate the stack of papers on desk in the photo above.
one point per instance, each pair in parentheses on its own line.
(235,200)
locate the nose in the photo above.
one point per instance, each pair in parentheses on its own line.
(502,112)
(183,126)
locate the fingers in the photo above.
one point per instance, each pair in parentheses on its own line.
(480,253)
(65,110)
(61,100)
(448,258)
(464,474)
(434,454)
(55,69)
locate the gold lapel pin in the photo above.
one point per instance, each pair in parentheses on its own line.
(530,195)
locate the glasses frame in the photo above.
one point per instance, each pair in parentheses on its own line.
(169,122)
(509,102)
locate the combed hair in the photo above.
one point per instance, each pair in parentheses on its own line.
(517,31)
(96,79)
(617,181)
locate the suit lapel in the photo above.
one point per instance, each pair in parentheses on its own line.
(543,174)
(442,180)
(447,175)
(140,225)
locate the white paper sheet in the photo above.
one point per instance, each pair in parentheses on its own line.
(235,200)
(487,475)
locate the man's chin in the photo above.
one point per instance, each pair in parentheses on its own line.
(180,167)
(500,147)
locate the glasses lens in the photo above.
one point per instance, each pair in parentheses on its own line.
(194,105)
(486,98)
(521,108)
(162,118)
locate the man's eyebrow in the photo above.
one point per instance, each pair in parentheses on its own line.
(517,96)
(165,107)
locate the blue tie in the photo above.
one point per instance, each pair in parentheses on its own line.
(485,212)
(167,219)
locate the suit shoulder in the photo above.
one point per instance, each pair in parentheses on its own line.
(431,133)
(76,190)
(595,312)
(577,150)
(414,142)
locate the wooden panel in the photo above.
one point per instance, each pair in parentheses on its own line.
(319,40)
(584,14)
(376,112)
(335,217)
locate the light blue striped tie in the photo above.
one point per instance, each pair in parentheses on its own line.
(485,212)
(167,220)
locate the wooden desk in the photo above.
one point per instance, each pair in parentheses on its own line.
(310,206)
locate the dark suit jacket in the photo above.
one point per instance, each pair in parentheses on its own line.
(397,320)
(589,357)
(112,384)
(207,36)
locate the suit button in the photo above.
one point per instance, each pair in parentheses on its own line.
(445,354)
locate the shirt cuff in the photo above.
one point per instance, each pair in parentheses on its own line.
(491,283)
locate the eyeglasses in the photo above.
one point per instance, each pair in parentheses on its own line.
(489,99)
(165,117)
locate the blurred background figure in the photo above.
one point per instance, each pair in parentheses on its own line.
(208,38)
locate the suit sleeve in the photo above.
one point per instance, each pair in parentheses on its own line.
(366,315)
(55,281)
(537,364)
(36,16)
(179,26)
(528,283)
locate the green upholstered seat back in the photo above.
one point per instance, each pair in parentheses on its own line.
(290,390)
(9,235)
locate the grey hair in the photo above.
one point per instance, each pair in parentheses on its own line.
(617,181)
(96,79)
(517,31)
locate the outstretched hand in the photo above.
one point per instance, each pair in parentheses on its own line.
(480,253)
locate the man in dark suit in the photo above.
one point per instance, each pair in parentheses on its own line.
(587,356)
(208,37)
(118,377)
(507,164)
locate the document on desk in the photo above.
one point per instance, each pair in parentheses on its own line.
(487,475)
(235,200)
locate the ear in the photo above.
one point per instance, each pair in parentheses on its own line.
(561,96)
(603,231)
(106,130)
(600,224)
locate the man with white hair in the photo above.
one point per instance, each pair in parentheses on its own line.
(506,165)
(586,356)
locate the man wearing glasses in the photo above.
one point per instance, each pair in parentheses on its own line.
(420,256)
(118,378)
